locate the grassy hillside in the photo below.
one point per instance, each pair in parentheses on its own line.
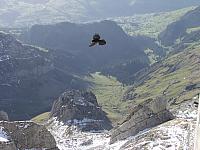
(150,24)
(109,94)
(176,78)
(42,118)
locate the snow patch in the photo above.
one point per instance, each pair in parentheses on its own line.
(3,135)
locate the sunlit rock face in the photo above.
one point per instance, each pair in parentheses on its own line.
(80,109)
(149,114)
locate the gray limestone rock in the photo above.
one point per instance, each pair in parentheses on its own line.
(146,115)
(28,135)
(80,108)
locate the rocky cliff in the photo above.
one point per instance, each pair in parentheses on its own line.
(149,114)
(27,135)
(81,109)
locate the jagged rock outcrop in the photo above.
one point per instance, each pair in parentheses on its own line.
(143,116)
(28,135)
(175,134)
(81,109)
(3,116)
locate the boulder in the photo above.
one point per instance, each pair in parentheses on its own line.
(143,116)
(29,135)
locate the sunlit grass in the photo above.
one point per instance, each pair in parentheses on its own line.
(109,93)
(173,84)
(42,118)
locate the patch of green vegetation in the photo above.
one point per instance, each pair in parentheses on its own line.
(109,94)
(170,80)
(150,25)
(42,118)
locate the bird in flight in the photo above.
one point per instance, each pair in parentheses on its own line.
(97,40)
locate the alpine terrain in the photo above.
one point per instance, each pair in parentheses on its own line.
(106,75)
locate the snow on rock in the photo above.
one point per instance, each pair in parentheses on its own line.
(173,135)
(3,135)
(71,138)
(80,108)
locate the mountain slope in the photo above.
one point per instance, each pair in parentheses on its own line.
(175,78)
(171,74)
(29,79)
(175,32)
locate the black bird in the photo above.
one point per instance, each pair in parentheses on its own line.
(97,40)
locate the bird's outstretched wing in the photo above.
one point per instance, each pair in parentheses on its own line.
(102,42)
(92,44)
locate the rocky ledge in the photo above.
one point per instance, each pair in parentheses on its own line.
(149,114)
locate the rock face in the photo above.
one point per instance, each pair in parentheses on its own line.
(3,116)
(146,115)
(28,135)
(81,109)
(175,134)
